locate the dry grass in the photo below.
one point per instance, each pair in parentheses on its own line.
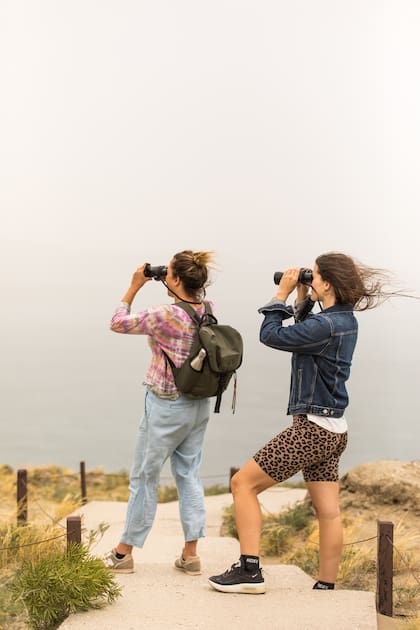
(292,538)
(42,579)
(53,493)
(358,564)
(16,544)
(36,554)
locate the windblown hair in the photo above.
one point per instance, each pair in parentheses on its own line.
(193,270)
(354,283)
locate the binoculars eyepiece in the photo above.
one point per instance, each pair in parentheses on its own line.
(158,272)
(305,276)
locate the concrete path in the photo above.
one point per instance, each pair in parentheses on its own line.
(159,597)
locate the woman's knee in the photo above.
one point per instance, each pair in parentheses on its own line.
(241,482)
(324,499)
(238,482)
(326,511)
(250,478)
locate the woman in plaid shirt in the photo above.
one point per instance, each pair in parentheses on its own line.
(172,426)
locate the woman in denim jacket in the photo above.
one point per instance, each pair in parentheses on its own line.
(322,347)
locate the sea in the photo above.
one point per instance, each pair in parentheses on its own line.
(84,421)
(68,398)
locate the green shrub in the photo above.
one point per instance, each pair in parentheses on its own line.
(278,529)
(298,518)
(167,494)
(60,583)
(228,527)
(170,493)
(306,557)
(292,484)
(216,489)
(274,538)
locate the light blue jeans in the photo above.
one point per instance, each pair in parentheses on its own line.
(175,429)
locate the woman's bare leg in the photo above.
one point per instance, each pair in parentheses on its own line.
(123,548)
(246,485)
(324,496)
(190,548)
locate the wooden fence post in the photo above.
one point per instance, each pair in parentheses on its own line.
(74,530)
(385,568)
(83,482)
(22,496)
(231,473)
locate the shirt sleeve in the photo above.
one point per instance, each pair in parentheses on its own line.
(131,324)
(308,337)
(275,305)
(165,324)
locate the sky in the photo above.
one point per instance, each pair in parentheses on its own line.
(268,132)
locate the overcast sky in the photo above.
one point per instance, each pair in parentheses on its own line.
(266,131)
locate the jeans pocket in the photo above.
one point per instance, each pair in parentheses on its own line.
(148,404)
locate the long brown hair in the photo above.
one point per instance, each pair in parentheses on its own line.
(354,283)
(192,268)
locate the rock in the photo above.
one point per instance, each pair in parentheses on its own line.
(385,482)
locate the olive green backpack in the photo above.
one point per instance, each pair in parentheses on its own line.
(215,355)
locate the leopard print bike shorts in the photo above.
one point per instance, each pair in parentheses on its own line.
(306,447)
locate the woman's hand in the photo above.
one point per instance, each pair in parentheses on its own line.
(288,283)
(137,281)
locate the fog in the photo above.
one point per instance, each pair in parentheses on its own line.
(269,132)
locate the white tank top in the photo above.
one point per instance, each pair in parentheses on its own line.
(335,425)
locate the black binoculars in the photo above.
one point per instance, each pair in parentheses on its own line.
(305,276)
(158,273)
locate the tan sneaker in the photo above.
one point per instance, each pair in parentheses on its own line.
(190,565)
(125,565)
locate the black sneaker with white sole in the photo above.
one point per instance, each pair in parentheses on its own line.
(237,580)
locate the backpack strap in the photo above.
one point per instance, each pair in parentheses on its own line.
(193,313)
(196,319)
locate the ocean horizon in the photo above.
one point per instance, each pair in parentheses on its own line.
(231,439)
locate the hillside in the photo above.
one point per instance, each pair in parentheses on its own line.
(385,490)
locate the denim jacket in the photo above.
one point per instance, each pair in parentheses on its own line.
(322,347)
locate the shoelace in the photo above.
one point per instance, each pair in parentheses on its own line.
(236,565)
